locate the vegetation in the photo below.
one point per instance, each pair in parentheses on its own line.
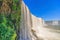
(9,19)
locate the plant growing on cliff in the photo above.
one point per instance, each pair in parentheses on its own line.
(7,31)
(9,19)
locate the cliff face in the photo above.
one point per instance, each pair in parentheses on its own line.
(53,22)
(28,22)
(36,24)
(37,21)
(25,23)
(10,11)
(33,28)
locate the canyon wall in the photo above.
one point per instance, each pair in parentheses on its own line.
(33,28)
(53,22)
(25,23)
(37,21)
(28,22)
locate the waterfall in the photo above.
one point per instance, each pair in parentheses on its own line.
(25,23)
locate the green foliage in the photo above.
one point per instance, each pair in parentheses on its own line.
(10,22)
(15,1)
(6,32)
(15,5)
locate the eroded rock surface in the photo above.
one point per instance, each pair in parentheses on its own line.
(33,28)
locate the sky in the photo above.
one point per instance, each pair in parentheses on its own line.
(46,9)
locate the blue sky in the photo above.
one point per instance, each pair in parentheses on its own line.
(46,9)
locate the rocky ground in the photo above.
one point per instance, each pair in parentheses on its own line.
(45,33)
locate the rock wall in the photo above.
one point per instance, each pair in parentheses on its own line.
(37,23)
(25,23)
(53,22)
(33,28)
(28,22)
